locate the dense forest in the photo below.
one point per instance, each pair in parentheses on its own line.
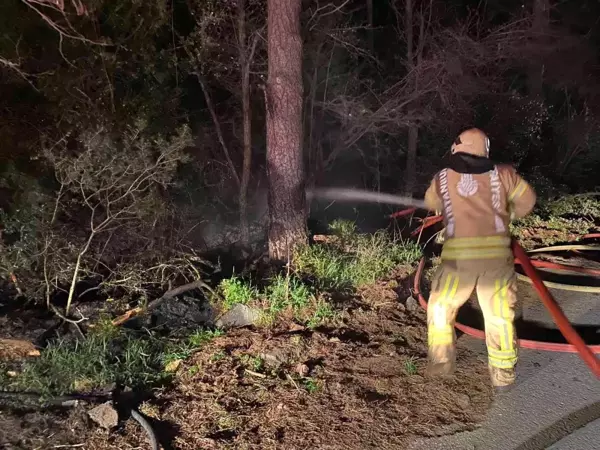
(160,107)
(139,138)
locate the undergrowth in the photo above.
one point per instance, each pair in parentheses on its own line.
(345,262)
(352,260)
(106,357)
(559,220)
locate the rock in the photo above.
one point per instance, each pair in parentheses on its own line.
(411,304)
(239,316)
(104,415)
(296,327)
(302,370)
(463,401)
(274,359)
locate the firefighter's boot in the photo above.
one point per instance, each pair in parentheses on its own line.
(502,379)
(440,369)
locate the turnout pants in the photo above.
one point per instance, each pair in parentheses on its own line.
(497,295)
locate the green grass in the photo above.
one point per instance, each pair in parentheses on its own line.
(105,357)
(410,366)
(311,385)
(235,290)
(354,259)
(287,291)
(185,348)
(348,261)
(252,362)
(324,312)
(283,293)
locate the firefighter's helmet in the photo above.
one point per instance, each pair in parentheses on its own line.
(472,141)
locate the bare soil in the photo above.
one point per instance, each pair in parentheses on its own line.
(356,385)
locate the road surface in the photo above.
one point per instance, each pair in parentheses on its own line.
(555,404)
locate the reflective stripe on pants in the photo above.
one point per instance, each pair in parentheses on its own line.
(497,295)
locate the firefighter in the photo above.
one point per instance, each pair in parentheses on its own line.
(478,199)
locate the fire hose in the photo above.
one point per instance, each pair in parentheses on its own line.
(575,342)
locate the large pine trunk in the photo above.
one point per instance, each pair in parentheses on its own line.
(287,199)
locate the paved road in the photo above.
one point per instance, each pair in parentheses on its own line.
(555,396)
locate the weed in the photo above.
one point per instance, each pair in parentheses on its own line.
(235,290)
(218,356)
(252,362)
(195,341)
(410,366)
(558,220)
(203,336)
(329,265)
(324,312)
(311,385)
(344,229)
(287,292)
(91,363)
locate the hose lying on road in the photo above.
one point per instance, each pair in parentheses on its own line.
(556,312)
(575,342)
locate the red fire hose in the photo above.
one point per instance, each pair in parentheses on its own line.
(575,342)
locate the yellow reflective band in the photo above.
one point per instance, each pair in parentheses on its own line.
(446,329)
(443,335)
(502,364)
(465,254)
(434,341)
(518,191)
(454,288)
(507,328)
(486,247)
(477,242)
(440,340)
(502,355)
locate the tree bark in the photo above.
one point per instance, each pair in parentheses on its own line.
(287,198)
(370,37)
(410,175)
(413,131)
(541,22)
(245,60)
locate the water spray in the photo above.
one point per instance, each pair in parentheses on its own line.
(361,195)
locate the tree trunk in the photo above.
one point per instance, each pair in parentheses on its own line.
(370,37)
(245,60)
(541,21)
(413,131)
(410,175)
(287,198)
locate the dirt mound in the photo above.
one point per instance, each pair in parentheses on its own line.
(358,385)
